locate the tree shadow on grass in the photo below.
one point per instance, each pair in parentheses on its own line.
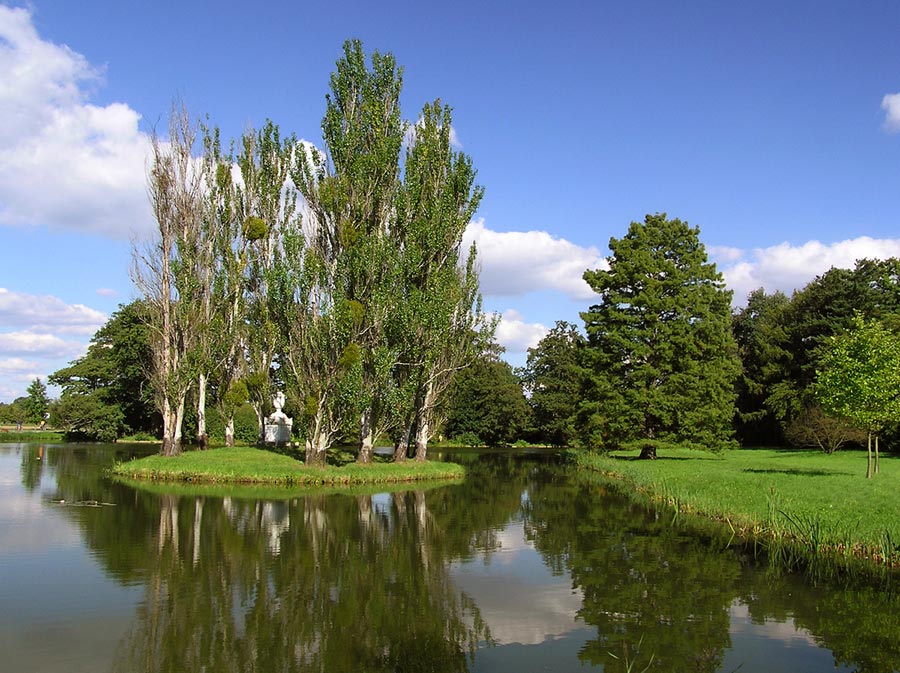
(797,472)
(657,459)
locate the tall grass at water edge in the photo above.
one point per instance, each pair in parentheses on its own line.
(803,509)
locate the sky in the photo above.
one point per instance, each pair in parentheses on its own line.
(772,126)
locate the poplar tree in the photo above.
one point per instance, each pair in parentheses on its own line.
(266,211)
(442,323)
(165,272)
(661,355)
(344,266)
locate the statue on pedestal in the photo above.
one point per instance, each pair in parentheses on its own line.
(278,425)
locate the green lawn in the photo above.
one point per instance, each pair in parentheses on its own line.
(247,465)
(823,502)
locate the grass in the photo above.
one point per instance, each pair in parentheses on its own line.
(247,465)
(31,436)
(805,507)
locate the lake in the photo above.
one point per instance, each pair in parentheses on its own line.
(524,567)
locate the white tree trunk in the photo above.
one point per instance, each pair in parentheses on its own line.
(366,438)
(229,431)
(201,412)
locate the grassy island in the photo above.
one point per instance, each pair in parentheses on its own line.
(803,505)
(248,465)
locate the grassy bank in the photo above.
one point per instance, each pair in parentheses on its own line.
(805,507)
(246,465)
(32,436)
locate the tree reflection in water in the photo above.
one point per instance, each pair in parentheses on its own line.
(364,583)
(352,585)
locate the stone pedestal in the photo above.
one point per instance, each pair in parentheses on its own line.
(278,433)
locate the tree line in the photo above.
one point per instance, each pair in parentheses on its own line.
(665,358)
(338,274)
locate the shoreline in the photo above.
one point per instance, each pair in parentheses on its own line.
(791,532)
(249,465)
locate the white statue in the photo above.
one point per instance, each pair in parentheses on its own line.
(278,428)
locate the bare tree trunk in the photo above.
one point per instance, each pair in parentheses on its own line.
(648,452)
(201,413)
(876,454)
(401,448)
(172,420)
(179,421)
(422,428)
(366,438)
(229,431)
(260,424)
(869,457)
(422,441)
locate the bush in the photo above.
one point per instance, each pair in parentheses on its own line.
(468,439)
(245,427)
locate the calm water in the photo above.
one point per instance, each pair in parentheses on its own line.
(521,568)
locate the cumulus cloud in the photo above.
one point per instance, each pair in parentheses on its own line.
(891,106)
(15,375)
(45,313)
(724,253)
(36,343)
(516,335)
(788,267)
(514,263)
(51,135)
(42,334)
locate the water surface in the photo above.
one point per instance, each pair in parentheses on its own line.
(523,567)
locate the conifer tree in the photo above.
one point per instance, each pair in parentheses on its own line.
(661,355)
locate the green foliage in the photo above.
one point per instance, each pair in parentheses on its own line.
(105,393)
(660,352)
(37,403)
(87,417)
(760,330)
(255,228)
(782,340)
(245,425)
(553,374)
(859,375)
(486,402)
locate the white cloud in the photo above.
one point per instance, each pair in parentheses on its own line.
(42,334)
(107,292)
(724,253)
(36,343)
(891,106)
(789,267)
(45,313)
(515,263)
(94,157)
(516,334)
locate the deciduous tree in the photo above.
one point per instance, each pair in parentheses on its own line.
(859,379)
(553,376)
(164,272)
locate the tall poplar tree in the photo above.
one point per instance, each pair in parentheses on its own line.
(165,272)
(660,351)
(441,322)
(266,204)
(349,266)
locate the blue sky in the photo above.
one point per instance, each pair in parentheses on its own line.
(773,126)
